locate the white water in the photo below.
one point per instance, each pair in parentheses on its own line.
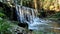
(28,15)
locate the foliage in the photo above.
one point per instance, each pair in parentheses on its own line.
(1,10)
(51,5)
(2,13)
(24,2)
(4,25)
(56,15)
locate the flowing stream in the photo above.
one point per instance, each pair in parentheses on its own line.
(29,16)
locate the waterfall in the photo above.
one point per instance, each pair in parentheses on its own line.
(0,0)
(29,16)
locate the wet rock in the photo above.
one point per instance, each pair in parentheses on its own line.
(15,29)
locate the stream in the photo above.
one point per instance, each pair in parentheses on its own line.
(29,16)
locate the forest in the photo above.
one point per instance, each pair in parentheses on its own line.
(29,16)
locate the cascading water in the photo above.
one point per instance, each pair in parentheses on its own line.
(0,0)
(28,15)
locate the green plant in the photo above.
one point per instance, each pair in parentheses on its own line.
(56,15)
(2,13)
(1,10)
(4,25)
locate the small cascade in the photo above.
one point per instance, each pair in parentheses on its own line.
(0,0)
(29,16)
(25,14)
